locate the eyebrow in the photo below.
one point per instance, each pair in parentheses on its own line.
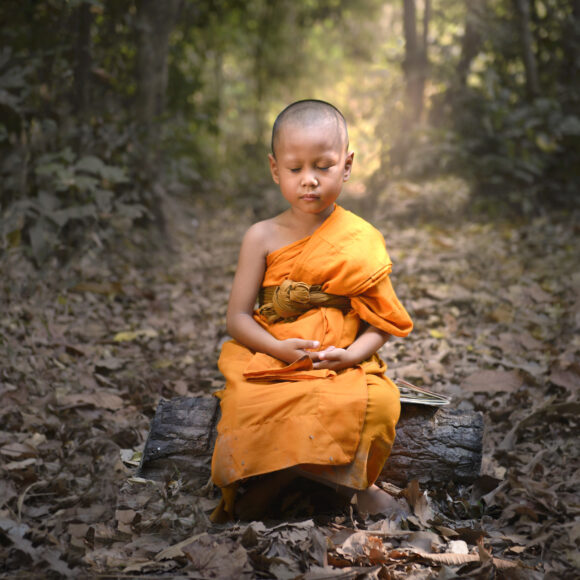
(330,156)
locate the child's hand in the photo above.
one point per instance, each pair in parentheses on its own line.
(333,358)
(291,349)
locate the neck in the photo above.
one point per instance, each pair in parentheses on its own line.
(311,222)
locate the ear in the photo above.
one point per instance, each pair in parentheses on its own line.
(274,168)
(348,166)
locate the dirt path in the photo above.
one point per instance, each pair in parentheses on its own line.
(87,352)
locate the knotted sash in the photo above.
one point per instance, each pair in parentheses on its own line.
(291,299)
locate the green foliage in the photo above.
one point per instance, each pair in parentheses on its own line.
(518,150)
(66,181)
(73,196)
(76,167)
(522,151)
(80,166)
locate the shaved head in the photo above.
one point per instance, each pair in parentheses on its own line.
(309,113)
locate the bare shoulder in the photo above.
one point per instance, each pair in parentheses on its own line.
(258,232)
(257,237)
(269,235)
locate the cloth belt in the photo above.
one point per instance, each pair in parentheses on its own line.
(291,299)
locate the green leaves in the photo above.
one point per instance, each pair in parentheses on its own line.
(95,166)
(85,175)
(72,193)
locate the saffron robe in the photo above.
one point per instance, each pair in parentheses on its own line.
(339,426)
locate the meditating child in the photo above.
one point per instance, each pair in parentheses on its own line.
(305,390)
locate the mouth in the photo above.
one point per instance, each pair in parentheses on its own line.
(310,197)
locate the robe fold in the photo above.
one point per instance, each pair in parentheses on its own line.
(339,426)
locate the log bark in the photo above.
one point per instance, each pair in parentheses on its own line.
(433,444)
(181,439)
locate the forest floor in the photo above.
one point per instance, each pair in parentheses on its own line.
(87,350)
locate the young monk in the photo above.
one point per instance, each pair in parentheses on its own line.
(305,390)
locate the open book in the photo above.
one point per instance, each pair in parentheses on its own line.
(420,396)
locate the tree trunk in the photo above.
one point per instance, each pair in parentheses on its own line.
(412,63)
(528,56)
(415,62)
(433,444)
(82,49)
(570,76)
(472,39)
(425,42)
(155,21)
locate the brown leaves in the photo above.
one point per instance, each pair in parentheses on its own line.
(419,502)
(492,381)
(399,552)
(85,360)
(281,551)
(81,367)
(98,400)
(217,557)
(42,557)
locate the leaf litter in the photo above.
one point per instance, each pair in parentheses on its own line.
(88,351)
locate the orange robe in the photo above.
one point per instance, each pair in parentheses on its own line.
(338,425)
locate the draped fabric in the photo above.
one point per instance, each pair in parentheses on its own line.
(337,425)
(291,299)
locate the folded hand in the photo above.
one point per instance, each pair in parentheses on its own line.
(291,349)
(332,358)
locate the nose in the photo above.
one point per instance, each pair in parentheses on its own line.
(309,179)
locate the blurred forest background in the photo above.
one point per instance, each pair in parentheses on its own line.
(113,112)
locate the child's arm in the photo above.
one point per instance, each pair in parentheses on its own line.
(367,343)
(247,281)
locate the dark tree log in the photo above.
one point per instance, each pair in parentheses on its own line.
(181,439)
(433,444)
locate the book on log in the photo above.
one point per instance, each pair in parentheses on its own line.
(420,396)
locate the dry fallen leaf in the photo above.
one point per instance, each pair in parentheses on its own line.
(217,557)
(176,550)
(130,335)
(458,559)
(419,502)
(18,450)
(68,390)
(492,381)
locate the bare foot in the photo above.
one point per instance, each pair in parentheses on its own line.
(374,500)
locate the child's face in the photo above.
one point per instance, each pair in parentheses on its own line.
(310,166)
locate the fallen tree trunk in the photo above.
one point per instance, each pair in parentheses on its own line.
(433,444)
